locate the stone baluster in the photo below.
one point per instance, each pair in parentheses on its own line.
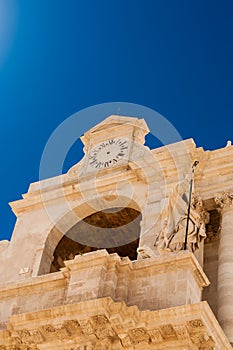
(225,265)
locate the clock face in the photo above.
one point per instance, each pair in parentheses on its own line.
(108,153)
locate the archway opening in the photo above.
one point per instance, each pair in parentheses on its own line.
(117,230)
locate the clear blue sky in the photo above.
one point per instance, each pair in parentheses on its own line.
(60,56)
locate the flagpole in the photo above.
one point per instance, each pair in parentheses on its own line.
(189,204)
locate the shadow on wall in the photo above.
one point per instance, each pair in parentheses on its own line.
(105,229)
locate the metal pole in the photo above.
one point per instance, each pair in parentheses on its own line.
(189,204)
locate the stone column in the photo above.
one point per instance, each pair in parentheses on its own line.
(225,264)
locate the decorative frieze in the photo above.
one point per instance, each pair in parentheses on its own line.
(90,329)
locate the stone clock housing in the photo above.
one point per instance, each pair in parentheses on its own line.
(96,258)
(108,153)
(115,142)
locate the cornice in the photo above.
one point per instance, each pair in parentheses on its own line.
(102,324)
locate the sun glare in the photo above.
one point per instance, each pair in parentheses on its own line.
(8,12)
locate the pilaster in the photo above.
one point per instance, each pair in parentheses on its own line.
(225,266)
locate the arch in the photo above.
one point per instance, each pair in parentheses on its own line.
(72,218)
(117,230)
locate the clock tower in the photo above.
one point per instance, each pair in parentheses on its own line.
(112,143)
(97,260)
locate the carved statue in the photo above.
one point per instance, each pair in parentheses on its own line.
(174,221)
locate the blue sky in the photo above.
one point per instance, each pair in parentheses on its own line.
(60,56)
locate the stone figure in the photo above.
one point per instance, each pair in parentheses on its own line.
(171,237)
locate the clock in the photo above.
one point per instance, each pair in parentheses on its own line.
(108,153)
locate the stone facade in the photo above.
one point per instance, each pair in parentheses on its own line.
(97,259)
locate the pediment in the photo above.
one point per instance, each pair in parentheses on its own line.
(115,121)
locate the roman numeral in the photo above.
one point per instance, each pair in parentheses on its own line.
(98,165)
(93,156)
(122,143)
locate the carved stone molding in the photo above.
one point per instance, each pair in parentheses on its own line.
(103,336)
(121,279)
(224,200)
(111,325)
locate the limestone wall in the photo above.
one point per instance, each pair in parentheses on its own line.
(156,283)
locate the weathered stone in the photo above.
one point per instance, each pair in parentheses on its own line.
(95,261)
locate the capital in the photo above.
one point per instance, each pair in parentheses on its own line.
(224,199)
